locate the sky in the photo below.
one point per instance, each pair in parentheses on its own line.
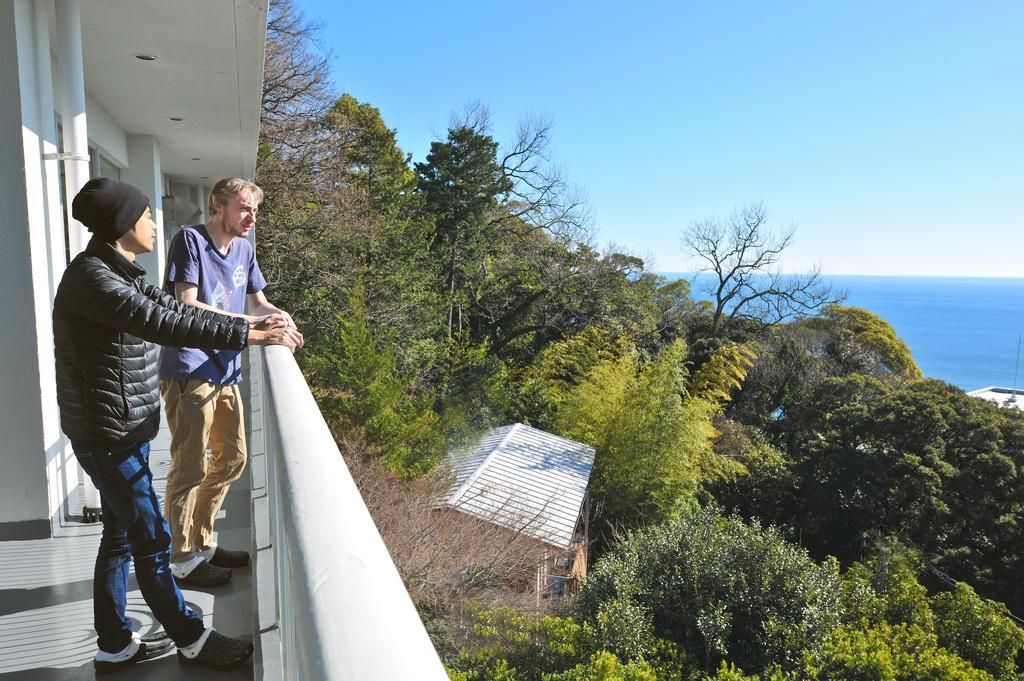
(888,134)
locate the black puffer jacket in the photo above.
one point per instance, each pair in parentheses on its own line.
(106,319)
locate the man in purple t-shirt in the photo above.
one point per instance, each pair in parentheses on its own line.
(213,267)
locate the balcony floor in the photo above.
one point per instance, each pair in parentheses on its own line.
(46,631)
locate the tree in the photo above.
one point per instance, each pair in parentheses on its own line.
(371,153)
(886,590)
(870,333)
(653,440)
(539,195)
(355,380)
(605,666)
(921,460)
(719,588)
(868,460)
(462,184)
(296,79)
(742,255)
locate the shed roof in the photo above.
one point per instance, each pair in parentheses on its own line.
(524,479)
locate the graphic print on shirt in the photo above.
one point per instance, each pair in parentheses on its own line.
(221,295)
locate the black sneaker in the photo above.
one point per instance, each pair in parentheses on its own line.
(229,559)
(205,575)
(220,652)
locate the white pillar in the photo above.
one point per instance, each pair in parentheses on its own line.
(144,171)
(75,157)
(72,113)
(33,255)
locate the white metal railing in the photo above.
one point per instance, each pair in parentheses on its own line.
(342,611)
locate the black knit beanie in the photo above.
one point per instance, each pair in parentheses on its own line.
(109,208)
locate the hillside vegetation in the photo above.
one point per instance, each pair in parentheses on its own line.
(777,493)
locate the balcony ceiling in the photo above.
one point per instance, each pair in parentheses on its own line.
(208,71)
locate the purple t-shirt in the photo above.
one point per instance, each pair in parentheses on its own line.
(223,281)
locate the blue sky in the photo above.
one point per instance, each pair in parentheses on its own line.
(888,133)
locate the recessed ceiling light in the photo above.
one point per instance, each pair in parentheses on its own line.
(196,158)
(145,57)
(176,119)
(205,177)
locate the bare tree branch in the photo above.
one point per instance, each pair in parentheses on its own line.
(744,257)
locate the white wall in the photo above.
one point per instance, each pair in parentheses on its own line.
(105,133)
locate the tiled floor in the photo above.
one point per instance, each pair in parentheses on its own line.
(46,631)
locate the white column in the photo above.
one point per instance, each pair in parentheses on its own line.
(144,172)
(75,157)
(31,444)
(72,113)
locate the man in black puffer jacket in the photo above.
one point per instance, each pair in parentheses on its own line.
(107,321)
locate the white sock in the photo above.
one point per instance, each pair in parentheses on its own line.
(183,568)
(126,654)
(191,651)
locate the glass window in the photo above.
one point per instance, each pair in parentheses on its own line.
(107,168)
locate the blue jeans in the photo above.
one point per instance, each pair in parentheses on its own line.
(133,528)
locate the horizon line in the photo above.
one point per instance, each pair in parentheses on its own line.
(855,274)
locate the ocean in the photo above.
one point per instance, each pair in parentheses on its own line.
(962,330)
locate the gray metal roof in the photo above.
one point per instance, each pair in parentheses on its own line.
(524,479)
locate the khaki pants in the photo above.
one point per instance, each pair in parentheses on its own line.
(200,414)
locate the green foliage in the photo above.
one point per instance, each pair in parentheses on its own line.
(723,372)
(355,380)
(919,460)
(370,149)
(888,652)
(474,391)
(794,359)
(730,672)
(978,630)
(624,628)
(555,371)
(652,439)
(885,588)
(605,666)
(509,644)
(492,316)
(461,183)
(718,588)
(519,645)
(765,475)
(885,591)
(870,331)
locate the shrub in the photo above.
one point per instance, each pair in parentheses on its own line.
(718,588)
(604,666)
(888,652)
(978,630)
(510,642)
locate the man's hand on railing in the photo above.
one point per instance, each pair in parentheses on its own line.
(288,321)
(286,336)
(277,320)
